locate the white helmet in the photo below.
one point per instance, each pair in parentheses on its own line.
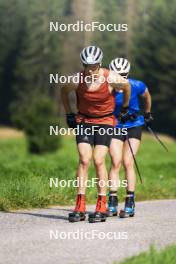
(120,65)
(91,55)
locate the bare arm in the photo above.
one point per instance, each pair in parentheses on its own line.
(148,101)
(65,90)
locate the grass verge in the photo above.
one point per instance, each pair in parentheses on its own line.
(24,178)
(166,256)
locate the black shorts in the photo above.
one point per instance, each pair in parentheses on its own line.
(133,132)
(94,134)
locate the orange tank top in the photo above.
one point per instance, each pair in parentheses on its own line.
(97,103)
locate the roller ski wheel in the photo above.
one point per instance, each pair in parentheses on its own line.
(76,217)
(97,217)
(125,214)
(112,211)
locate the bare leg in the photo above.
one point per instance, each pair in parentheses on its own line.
(85,155)
(100,153)
(116,149)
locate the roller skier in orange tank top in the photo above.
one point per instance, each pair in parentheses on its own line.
(95,105)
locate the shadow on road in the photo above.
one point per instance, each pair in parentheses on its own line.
(49,216)
(70,210)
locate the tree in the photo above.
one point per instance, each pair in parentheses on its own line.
(11,32)
(38,56)
(155,62)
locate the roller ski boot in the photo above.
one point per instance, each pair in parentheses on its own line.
(112,205)
(129,209)
(79,212)
(100,213)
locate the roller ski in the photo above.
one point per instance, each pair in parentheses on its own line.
(129,209)
(100,213)
(79,212)
(76,217)
(112,205)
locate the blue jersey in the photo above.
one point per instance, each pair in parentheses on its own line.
(137,89)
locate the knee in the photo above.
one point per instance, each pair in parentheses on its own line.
(128,164)
(99,161)
(116,164)
(85,161)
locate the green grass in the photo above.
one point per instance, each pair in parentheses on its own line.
(24,178)
(166,256)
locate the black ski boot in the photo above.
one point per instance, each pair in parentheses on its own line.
(112,205)
(129,209)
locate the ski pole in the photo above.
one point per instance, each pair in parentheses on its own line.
(137,168)
(156,136)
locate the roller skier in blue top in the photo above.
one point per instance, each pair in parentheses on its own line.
(119,149)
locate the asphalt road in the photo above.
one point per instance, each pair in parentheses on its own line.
(44,236)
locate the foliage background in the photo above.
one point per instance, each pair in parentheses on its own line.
(29,52)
